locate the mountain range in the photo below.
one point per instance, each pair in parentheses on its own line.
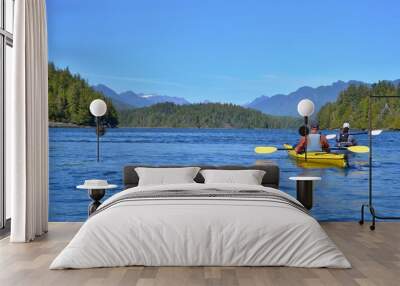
(279,104)
(286,104)
(130,99)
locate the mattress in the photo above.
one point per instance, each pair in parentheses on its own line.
(201,225)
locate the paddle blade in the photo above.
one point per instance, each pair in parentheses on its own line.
(330,136)
(265,150)
(358,149)
(287,147)
(376,132)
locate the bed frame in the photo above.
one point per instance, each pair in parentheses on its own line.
(270,179)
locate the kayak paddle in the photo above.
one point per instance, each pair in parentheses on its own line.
(271,149)
(373,133)
(354,149)
(267,149)
(330,136)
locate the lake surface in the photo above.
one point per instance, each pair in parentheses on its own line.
(337,197)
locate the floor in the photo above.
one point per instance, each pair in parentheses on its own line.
(375,257)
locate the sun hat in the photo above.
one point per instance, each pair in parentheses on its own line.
(346,125)
(95,184)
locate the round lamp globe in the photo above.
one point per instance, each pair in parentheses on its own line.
(98,107)
(305,107)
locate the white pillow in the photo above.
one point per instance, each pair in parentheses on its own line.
(166,176)
(248,177)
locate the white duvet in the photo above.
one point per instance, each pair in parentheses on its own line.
(200,231)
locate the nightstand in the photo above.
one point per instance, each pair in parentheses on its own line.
(96,190)
(304,189)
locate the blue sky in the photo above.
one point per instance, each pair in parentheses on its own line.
(226,51)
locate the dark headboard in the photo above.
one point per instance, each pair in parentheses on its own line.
(271,178)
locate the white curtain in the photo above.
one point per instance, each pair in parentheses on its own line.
(27,124)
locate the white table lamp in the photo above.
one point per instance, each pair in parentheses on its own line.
(98,108)
(305,108)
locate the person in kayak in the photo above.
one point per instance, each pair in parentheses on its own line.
(344,138)
(315,141)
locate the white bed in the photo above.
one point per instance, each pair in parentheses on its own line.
(202,231)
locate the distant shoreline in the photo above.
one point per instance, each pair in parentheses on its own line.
(72,125)
(53,124)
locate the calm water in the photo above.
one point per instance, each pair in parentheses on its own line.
(337,197)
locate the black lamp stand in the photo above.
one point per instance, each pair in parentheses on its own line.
(305,129)
(98,137)
(370,177)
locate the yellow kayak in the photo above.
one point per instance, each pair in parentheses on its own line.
(316,159)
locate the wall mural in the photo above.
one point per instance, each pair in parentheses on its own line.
(185,89)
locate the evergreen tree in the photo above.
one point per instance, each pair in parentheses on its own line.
(70,97)
(352,106)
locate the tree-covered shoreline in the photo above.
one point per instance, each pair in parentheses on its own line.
(70,97)
(352,106)
(203,115)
